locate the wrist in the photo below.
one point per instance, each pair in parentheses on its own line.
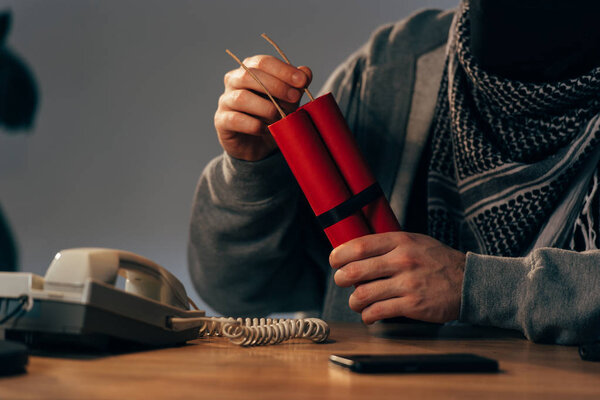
(254,181)
(251,155)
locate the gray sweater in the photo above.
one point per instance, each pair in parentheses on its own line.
(255,247)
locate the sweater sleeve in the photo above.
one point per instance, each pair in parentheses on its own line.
(551,295)
(246,251)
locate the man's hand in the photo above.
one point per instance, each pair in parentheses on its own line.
(244,111)
(400,274)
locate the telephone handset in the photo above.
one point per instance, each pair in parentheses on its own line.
(77,301)
(143,276)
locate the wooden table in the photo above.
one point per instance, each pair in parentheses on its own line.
(213,368)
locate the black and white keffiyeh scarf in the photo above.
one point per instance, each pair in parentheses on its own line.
(505,153)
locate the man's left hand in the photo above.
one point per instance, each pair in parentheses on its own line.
(400,274)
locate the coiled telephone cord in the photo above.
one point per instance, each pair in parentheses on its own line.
(265,331)
(257,331)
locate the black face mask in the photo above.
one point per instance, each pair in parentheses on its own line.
(18,92)
(536,40)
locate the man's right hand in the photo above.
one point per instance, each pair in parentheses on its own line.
(245,111)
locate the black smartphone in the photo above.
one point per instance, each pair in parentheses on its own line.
(451,362)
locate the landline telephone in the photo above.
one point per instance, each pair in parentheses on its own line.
(77,302)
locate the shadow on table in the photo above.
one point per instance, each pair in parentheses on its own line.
(80,354)
(80,347)
(404,328)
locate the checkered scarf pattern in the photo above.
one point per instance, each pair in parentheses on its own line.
(504,151)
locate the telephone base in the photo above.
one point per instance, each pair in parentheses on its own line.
(70,327)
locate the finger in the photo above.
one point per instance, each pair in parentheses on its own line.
(368,293)
(241,79)
(308,72)
(389,308)
(279,69)
(250,103)
(237,122)
(365,270)
(361,248)
(286,106)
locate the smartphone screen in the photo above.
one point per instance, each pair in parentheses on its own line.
(452,362)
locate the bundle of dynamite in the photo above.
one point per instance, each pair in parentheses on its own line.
(323,155)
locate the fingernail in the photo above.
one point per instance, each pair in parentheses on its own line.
(293,94)
(298,78)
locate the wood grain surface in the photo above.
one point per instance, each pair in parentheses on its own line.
(212,368)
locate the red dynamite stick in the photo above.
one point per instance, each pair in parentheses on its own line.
(344,150)
(316,174)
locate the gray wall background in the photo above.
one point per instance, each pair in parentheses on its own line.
(128,92)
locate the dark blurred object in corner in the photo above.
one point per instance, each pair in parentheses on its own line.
(536,40)
(18,104)
(8,249)
(590,351)
(18,91)
(13,358)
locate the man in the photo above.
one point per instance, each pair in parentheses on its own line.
(488,156)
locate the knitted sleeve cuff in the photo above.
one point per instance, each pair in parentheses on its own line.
(254,181)
(491,290)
